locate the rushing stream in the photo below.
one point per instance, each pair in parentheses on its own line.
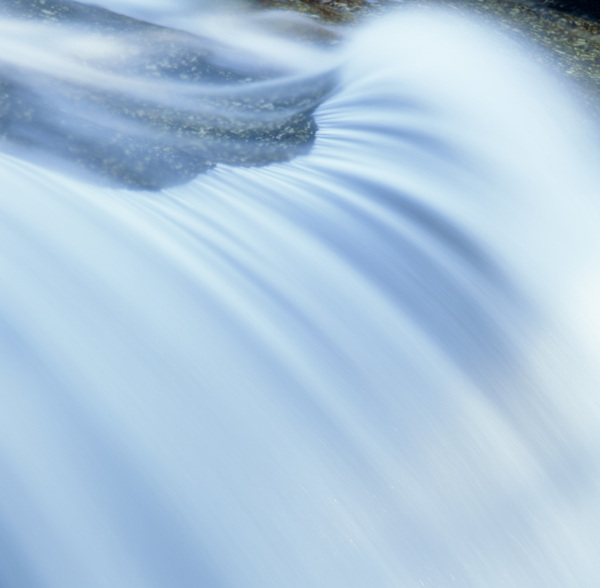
(364,357)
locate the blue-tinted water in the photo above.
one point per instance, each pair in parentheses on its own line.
(372,365)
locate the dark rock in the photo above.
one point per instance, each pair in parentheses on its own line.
(585,8)
(155,115)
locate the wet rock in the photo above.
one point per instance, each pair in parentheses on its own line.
(148,107)
(589,9)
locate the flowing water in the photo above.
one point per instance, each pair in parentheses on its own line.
(363,357)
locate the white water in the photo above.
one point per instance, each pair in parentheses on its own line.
(370,366)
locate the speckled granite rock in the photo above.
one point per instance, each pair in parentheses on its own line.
(333,11)
(158,111)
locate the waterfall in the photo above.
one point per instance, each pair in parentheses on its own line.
(365,361)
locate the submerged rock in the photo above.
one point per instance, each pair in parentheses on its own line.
(141,106)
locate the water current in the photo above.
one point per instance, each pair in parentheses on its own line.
(280,313)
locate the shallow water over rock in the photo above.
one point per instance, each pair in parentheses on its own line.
(137,105)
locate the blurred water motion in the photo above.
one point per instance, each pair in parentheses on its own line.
(372,365)
(142,106)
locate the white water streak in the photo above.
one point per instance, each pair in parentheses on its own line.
(358,368)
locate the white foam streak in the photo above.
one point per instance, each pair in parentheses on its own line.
(357,368)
